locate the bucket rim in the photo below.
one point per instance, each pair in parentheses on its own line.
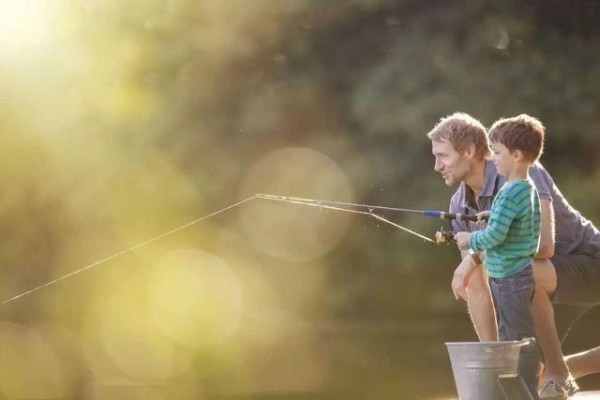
(491,343)
(526,342)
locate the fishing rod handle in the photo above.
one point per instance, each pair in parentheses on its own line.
(458,217)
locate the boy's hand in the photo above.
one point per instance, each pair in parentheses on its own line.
(482,219)
(462,240)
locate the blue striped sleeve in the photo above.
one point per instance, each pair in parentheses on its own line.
(503,212)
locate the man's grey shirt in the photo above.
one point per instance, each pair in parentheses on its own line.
(573,233)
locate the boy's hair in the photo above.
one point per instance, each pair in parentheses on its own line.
(523,132)
(460,129)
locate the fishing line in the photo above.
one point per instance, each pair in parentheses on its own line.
(130,249)
(331,205)
(325,204)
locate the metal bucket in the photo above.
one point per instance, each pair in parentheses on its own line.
(477,365)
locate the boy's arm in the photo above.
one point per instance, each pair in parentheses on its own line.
(502,213)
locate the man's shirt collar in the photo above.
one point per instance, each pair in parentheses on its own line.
(491,184)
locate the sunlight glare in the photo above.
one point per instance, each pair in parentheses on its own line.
(23,24)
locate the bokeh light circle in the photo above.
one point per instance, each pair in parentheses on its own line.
(195,297)
(291,232)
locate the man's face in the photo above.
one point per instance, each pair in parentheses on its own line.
(448,162)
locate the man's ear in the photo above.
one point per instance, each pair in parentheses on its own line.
(470,151)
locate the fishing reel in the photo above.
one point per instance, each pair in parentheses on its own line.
(444,237)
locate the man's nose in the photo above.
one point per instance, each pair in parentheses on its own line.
(438,166)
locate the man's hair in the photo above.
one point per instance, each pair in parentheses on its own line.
(523,132)
(461,130)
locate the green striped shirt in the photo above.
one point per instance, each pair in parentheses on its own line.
(512,235)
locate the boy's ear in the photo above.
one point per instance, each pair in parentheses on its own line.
(518,155)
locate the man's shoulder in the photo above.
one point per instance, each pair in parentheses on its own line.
(542,179)
(537,170)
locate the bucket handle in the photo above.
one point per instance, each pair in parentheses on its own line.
(527,342)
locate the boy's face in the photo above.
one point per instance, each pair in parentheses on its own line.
(450,163)
(503,158)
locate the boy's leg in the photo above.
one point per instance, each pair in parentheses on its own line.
(513,296)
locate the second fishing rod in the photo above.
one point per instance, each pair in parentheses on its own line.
(371,208)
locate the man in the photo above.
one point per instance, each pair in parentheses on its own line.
(566,267)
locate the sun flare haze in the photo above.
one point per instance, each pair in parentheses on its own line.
(24,24)
(137,135)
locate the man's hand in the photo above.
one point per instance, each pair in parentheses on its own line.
(462,240)
(462,275)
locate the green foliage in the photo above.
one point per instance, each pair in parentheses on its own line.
(122,120)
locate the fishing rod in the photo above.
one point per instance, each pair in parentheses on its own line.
(441,237)
(427,213)
(329,205)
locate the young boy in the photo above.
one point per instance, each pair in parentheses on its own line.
(511,238)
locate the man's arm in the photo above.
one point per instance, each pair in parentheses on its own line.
(544,183)
(546,249)
(478,297)
(462,275)
(481,306)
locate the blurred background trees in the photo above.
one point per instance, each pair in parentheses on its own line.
(123,120)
